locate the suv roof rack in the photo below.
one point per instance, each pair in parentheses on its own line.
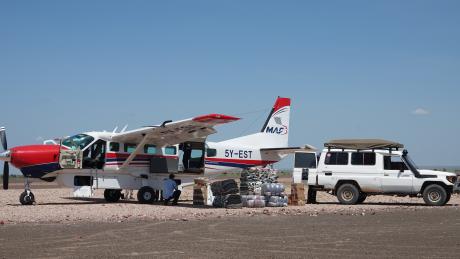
(363,144)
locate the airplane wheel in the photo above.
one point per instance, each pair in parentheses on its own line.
(112,195)
(27,199)
(146,195)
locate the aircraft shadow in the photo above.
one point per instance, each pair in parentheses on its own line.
(86,201)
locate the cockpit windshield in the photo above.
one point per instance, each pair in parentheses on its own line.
(79,141)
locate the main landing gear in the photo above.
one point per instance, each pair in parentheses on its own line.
(27,197)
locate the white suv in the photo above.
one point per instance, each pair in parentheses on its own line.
(354,169)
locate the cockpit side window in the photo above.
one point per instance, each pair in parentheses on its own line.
(79,141)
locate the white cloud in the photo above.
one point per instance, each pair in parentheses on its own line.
(421,111)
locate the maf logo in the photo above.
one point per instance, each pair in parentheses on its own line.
(280,130)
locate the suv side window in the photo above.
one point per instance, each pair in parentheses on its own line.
(336,158)
(360,158)
(393,163)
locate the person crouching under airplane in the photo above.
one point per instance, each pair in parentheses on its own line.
(170,190)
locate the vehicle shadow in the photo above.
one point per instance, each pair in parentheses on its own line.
(386,204)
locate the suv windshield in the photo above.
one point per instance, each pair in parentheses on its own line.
(79,141)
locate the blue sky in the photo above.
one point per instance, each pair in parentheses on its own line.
(354,69)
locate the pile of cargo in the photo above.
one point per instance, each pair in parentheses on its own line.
(274,195)
(226,194)
(252,179)
(260,188)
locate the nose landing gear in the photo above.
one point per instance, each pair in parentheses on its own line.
(27,197)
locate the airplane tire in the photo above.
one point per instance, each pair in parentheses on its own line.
(146,195)
(112,195)
(27,199)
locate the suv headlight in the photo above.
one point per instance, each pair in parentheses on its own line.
(451,179)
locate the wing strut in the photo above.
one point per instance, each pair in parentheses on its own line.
(139,147)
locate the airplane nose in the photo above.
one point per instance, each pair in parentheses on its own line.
(5,156)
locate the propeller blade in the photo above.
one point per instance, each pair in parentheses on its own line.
(6,175)
(3,138)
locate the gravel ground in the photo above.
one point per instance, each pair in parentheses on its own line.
(56,205)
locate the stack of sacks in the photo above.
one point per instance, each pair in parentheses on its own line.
(253,201)
(252,180)
(226,194)
(274,195)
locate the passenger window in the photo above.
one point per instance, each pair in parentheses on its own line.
(170,150)
(336,158)
(114,146)
(150,149)
(129,148)
(210,152)
(359,158)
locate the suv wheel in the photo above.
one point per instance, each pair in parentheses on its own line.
(362,198)
(348,194)
(435,195)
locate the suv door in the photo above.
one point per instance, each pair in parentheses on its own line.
(304,163)
(396,177)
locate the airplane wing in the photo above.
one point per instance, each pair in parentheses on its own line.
(172,133)
(286,150)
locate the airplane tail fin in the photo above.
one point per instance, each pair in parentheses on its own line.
(275,131)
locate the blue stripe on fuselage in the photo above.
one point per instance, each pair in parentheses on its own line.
(38,171)
(227,164)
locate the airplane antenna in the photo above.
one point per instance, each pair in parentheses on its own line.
(124,128)
(115,129)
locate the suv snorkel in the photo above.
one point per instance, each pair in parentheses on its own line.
(412,167)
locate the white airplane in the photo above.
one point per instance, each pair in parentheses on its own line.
(140,159)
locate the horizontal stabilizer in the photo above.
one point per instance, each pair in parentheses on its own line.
(287,150)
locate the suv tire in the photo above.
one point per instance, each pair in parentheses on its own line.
(362,198)
(435,195)
(348,194)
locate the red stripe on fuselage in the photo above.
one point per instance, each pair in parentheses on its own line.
(241,161)
(112,155)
